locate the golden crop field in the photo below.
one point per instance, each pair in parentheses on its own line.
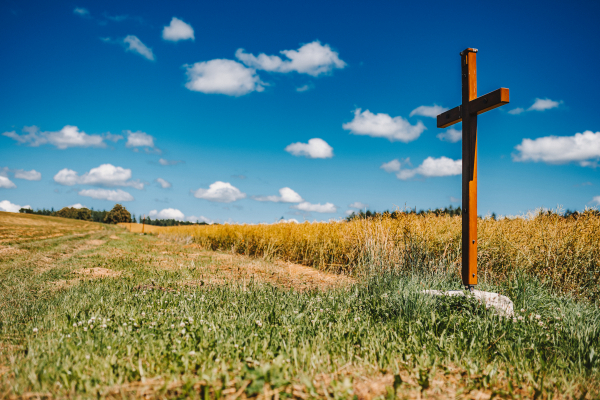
(563,252)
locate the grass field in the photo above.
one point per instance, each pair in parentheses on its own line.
(97,311)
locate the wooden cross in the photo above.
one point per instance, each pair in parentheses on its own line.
(471,107)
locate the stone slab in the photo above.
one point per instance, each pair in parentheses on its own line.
(502,304)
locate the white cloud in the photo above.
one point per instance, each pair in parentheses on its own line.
(320,208)
(312,59)
(163,161)
(432,167)
(178,30)
(69,136)
(32,175)
(391,166)
(167,213)
(104,175)
(359,205)
(193,218)
(105,194)
(304,88)
(77,205)
(286,195)
(382,125)
(135,45)
(315,148)
(223,77)
(583,148)
(596,200)
(543,104)
(221,192)
(516,111)
(451,135)
(138,139)
(163,183)
(81,11)
(428,111)
(454,199)
(6,183)
(7,206)
(288,221)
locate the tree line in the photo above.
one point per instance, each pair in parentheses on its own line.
(114,216)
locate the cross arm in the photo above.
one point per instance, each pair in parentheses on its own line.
(477,106)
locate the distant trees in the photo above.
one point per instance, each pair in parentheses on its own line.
(75,213)
(25,210)
(117,214)
(450,210)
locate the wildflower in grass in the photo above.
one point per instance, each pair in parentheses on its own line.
(68,372)
(321,310)
(183,331)
(35,330)
(68,336)
(172,326)
(192,353)
(74,325)
(91,326)
(182,324)
(124,323)
(538,316)
(236,346)
(85,329)
(87,356)
(80,323)
(522,310)
(540,323)
(514,320)
(108,347)
(143,314)
(520,317)
(259,323)
(103,326)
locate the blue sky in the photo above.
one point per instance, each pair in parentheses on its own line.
(253,111)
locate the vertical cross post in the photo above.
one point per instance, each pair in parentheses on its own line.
(471,107)
(469,168)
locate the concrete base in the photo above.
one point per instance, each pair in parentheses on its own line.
(502,304)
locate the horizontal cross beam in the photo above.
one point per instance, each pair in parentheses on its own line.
(477,106)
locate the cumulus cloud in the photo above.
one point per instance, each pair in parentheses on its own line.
(582,148)
(77,205)
(6,183)
(163,183)
(312,59)
(193,218)
(32,175)
(382,125)
(138,139)
(69,136)
(451,135)
(135,45)
(223,77)
(320,208)
(288,221)
(178,30)
(428,111)
(391,166)
(315,148)
(83,12)
(596,200)
(543,104)
(167,213)
(431,167)
(104,175)
(165,162)
(221,192)
(516,111)
(286,195)
(7,206)
(105,194)
(359,205)
(538,105)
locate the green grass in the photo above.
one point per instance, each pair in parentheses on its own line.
(112,338)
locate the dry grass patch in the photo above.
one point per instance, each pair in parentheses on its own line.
(97,272)
(20,228)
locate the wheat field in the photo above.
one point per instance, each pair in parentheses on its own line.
(564,253)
